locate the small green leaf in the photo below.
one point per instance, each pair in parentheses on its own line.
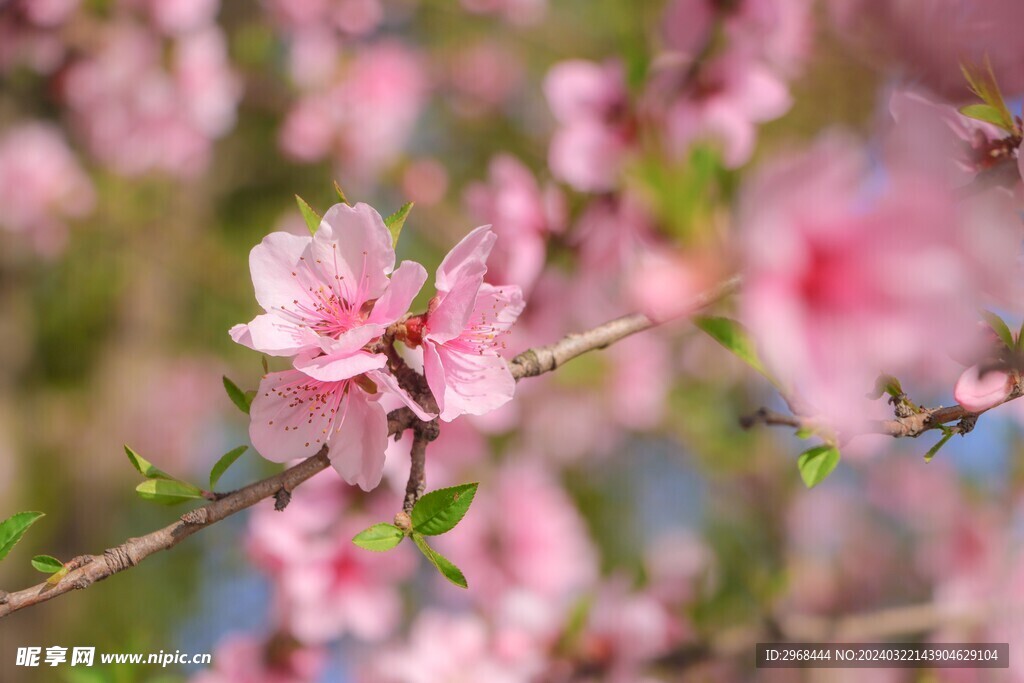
(886,384)
(946,436)
(226,461)
(804,433)
(237,396)
(265,364)
(168,492)
(396,221)
(439,511)
(341,195)
(983,112)
(982,82)
(144,466)
(311,217)
(443,564)
(817,463)
(379,537)
(47,564)
(999,327)
(13,528)
(734,337)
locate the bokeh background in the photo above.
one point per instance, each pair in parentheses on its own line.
(625,522)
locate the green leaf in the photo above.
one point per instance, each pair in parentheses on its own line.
(396,220)
(379,537)
(982,82)
(999,327)
(226,461)
(886,384)
(311,217)
(804,433)
(734,337)
(144,466)
(47,564)
(947,435)
(817,463)
(443,564)
(439,511)
(341,195)
(237,396)
(983,112)
(13,528)
(168,492)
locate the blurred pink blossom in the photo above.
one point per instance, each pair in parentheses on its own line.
(455,648)
(244,658)
(484,77)
(364,119)
(845,280)
(523,532)
(425,181)
(139,116)
(522,214)
(589,101)
(326,586)
(732,94)
(41,184)
(925,41)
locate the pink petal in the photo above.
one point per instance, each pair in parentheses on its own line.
(450,315)
(334,368)
(359,440)
(977,393)
(578,89)
(269,334)
(289,417)
(391,385)
(274,264)
(352,247)
(469,382)
(467,260)
(497,308)
(406,283)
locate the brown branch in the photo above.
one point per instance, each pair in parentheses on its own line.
(533,362)
(417,472)
(92,568)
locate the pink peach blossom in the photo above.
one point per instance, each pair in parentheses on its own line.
(41,183)
(461,332)
(925,41)
(364,117)
(523,216)
(589,101)
(327,297)
(977,391)
(525,533)
(733,94)
(326,586)
(829,259)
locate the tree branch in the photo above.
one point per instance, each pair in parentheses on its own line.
(533,362)
(88,569)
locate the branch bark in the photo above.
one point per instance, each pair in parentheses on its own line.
(88,569)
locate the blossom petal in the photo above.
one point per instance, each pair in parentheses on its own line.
(470,383)
(406,283)
(274,264)
(274,336)
(291,415)
(497,308)
(467,260)
(359,440)
(391,385)
(334,368)
(978,392)
(353,250)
